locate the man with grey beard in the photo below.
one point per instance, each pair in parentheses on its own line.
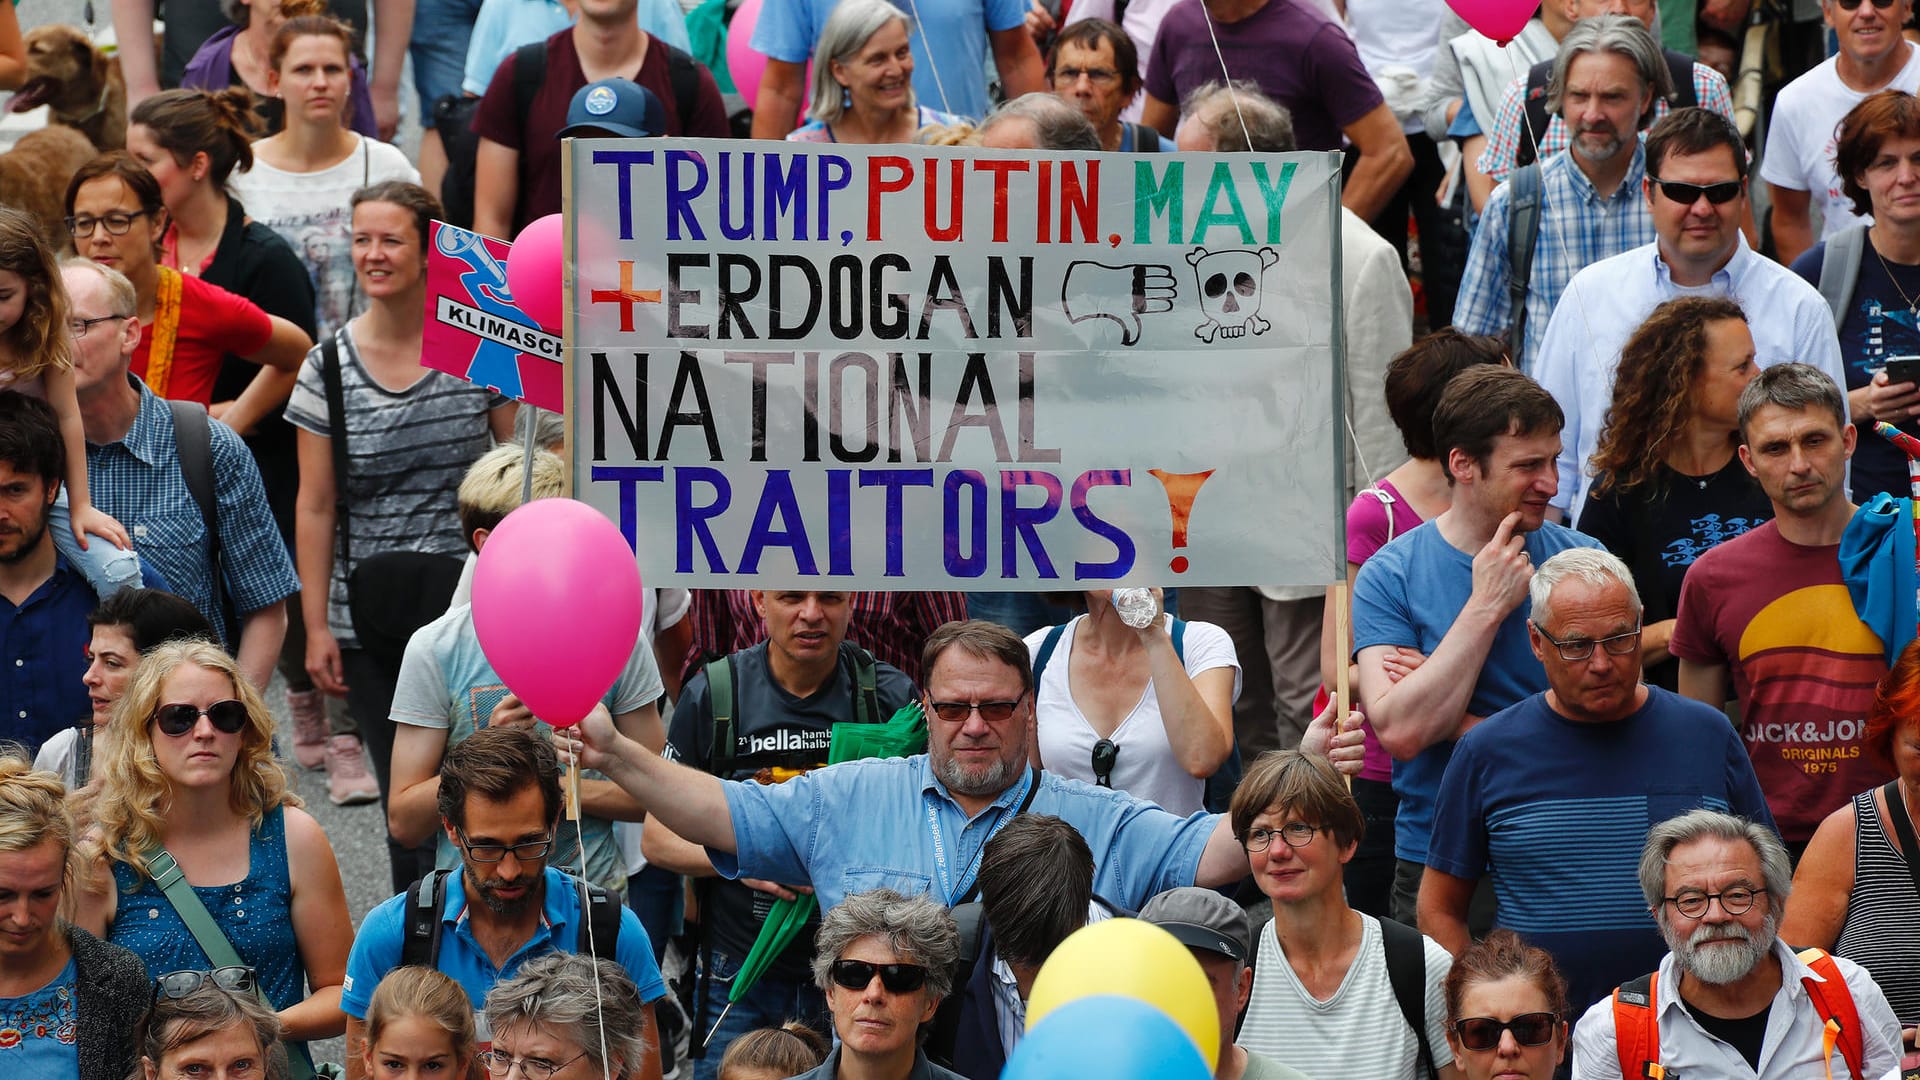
(1730,1000)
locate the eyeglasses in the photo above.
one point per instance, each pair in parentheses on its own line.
(993,712)
(228,716)
(178,984)
(1105,753)
(897,978)
(1067,76)
(1297,834)
(1582,648)
(79,327)
(500,1063)
(117,223)
(1688,194)
(525,852)
(1852,5)
(1735,901)
(1483,1032)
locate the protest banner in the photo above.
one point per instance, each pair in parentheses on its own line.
(474,331)
(893,367)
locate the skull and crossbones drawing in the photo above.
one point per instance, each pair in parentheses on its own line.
(1230,287)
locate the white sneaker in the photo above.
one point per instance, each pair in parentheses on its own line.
(348,781)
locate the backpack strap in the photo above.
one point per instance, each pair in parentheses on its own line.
(193,444)
(1636,1029)
(866,688)
(1834,1002)
(1145,139)
(1538,119)
(599,930)
(683,74)
(529,71)
(943,1031)
(1047,645)
(1840,269)
(1523,231)
(337,439)
(1680,67)
(720,751)
(426,899)
(1406,953)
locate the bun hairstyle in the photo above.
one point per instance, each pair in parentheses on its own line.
(788,1050)
(306,18)
(218,123)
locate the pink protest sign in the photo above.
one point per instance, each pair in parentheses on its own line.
(474,330)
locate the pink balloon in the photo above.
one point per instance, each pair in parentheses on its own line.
(556,605)
(534,271)
(1500,20)
(743,63)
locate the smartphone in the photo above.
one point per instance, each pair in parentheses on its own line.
(1903,369)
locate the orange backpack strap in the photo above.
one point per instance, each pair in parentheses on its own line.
(1834,1002)
(1636,1029)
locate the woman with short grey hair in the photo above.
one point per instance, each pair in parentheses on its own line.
(885,962)
(555,1024)
(862,85)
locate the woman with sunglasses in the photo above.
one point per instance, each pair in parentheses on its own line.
(1506,1009)
(210,1024)
(1147,710)
(885,962)
(188,778)
(71,998)
(552,1022)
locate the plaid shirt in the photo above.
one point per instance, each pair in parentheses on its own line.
(1509,127)
(1578,227)
(138,480)
(893,626)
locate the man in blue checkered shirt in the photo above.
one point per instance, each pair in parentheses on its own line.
(1606,79)
(134,468)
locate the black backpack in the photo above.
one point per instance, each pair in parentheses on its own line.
(599,932)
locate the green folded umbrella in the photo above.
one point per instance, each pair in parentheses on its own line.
(903,735)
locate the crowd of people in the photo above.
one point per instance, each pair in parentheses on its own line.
(1630,779)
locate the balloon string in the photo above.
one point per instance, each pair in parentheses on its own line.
(593,950)
(931,66)
(529,424)
(1226,76)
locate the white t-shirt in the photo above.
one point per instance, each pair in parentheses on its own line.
(1802,134)
(1397,40)
(57,755)
(1146,768)
(312,212)
(1359,1030)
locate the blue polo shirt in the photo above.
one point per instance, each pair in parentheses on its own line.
(43,654)
(376,948)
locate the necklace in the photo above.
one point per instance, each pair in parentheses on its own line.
(1913,306)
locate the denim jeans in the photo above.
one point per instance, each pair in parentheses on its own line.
(770,1003)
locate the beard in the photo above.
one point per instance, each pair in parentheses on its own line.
(1598,152)
(30,535)
(508,906)
(1718,965)
(991,779)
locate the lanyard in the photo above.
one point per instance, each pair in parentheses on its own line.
(947,889)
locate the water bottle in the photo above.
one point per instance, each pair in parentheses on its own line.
(1136,607)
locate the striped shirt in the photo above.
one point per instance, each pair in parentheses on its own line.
(407,451)
(1510,124)
(1880,933)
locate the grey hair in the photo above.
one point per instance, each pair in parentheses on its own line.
(852,24)
(1597,567)
(120,290)
(556,993)
(1058,125)
(1713,825)
(1269,126)
(917,930)
(174,1022)
(1621,34)
(1795,387)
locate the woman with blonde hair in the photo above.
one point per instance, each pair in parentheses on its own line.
(72,998)
(213,862)
(419,1024)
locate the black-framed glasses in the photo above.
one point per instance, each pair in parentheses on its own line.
(178,984)
(1688,194)
(1735,901)
(228,716)
(1483,1032)
(993,712)
(1582,648)
(526,851)
(897,978)
(500,1063)
(1297,834)
(1854,5)
(1105,753)
(1067,76)
(117,223)
(79,327)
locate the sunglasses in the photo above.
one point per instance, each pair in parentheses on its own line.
(993,712)
(1105,753)
(228,716)
(1483,1032)
(178,984)
(897,978)
(1854,5)
(1688,194)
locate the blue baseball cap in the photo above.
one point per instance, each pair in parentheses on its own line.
(614,107)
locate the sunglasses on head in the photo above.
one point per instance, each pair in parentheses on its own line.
(1105,753)
(1483,1032)
(228,716)
(1688,194)
(178,984)
(1854,5)
(897,978)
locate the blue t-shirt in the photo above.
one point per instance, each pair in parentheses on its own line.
(42,657)
(39,1031)
(951,54)
(1560,811)
(1409,594)
(376,948)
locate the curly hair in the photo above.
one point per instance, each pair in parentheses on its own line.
(38,340)
(134,794)
(1653,390)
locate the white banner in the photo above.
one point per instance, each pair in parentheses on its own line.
(823,366)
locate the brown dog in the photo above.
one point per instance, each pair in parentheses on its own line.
(81,85)
(35,173)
